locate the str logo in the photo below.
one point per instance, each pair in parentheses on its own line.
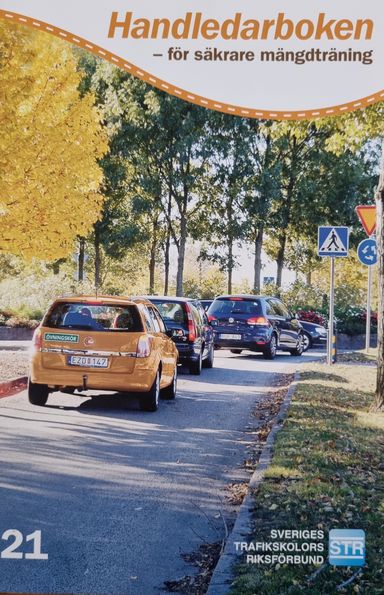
(88,341)
(347,547)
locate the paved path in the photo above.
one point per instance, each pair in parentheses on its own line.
(120,494)
(15,345)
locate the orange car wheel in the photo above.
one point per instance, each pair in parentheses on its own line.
(169,393)
(150,401)
(37,393)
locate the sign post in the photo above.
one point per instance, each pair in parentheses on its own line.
(332,242)
(331,323)
(367,253)
(369,299)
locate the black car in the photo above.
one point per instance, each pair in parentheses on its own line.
(191,331)
(256,323)
(313,334)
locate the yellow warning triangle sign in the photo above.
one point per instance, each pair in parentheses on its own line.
(367,216)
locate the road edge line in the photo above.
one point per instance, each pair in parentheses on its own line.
(223,576)
(13,387)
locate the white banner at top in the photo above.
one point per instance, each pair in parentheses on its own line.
(285,59)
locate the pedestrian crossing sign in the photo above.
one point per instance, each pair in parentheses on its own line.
(333,241)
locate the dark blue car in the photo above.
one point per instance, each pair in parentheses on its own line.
(313,334)
(191,331)
(255,323)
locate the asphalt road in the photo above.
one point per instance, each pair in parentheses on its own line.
(119,494)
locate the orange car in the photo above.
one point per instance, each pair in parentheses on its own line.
(103,343)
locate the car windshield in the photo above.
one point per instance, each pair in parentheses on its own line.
(172,312)
(95,317)
(231,306)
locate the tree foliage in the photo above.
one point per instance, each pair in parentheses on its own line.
(349,133)
(51,139)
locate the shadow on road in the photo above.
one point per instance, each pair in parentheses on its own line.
(99,477)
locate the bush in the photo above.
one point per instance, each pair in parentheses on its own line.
(29,313)
(22,318)
(311,316)
(29,296)
(352,320)
(300,296)
(311,304)
(16,322)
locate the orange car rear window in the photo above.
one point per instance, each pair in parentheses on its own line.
(92,317)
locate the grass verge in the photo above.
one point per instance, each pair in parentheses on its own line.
(327,473)
(359,357)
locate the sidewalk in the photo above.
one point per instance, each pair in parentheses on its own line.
(15,345)
(14,362)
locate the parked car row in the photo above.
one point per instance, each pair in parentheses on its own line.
(135,344)
(313,333)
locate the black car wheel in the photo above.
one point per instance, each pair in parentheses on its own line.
(236,351)
(150,400)
(195,366)
(208,362)
(169,393)
(299,348)
(307,341)
(37,393)
(270,350)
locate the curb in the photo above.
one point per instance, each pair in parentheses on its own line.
(13,387)
(222,577)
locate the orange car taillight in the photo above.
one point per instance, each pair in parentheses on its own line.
(191,325)
(211,318)
(37,340)
(143,347)
(258,320)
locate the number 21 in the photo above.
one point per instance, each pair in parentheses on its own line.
(11,553)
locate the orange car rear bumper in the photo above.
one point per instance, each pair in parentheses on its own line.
(138,381)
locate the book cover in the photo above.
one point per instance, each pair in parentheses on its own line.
(191,297)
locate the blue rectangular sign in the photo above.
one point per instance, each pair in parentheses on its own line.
(333,241)
(347,547)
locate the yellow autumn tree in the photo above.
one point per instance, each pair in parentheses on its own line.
(50,141)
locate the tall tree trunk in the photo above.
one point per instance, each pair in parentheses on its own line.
(280,260)
(287,212)
(378,403)
(181,255)
(81,260)
(167,246)
(152,260)
(230,264)
(257,262)
(97,258)
(167,262)
(308,278)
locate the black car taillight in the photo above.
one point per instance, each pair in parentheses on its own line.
(191,325)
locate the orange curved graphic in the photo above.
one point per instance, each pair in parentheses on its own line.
(186,95)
